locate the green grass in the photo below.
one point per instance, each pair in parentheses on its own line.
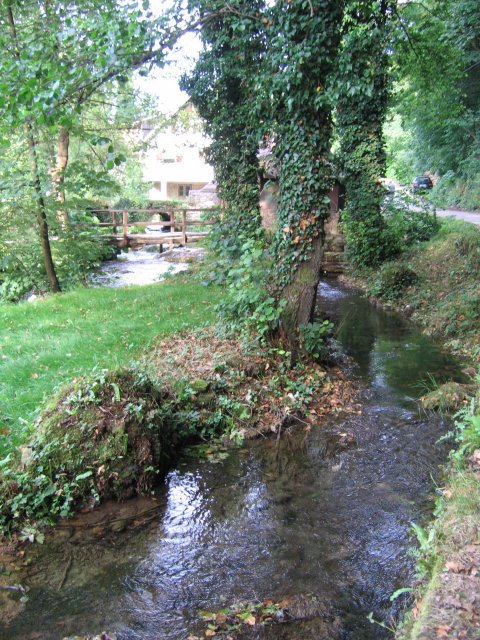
(47,343)
(445,298)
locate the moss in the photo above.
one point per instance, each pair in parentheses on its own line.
(199,385)
(107,436)
(448,397)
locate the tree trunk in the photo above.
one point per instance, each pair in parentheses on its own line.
(58,173)
(308,37)
(300,297)
(41,215)
(360,127)
(41,207)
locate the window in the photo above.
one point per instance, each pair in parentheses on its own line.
(184,190)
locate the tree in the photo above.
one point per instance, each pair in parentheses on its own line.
(303,43)
(362,89)
(222,88)
(55,58)
(437,98)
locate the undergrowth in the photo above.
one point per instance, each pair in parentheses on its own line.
(437,283)
(113,434)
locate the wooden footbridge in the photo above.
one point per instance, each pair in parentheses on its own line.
(177,227)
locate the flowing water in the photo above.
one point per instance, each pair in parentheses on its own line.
(137,267)
(274,519)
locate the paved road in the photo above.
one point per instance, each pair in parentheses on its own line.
(468,216)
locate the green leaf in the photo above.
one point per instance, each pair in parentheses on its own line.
(399,592)
(83,476)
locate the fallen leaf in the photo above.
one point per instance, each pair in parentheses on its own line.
(251,620)
(220,618)
(475,458)
(209,633)
(34,375)
(443,630)
(455,567)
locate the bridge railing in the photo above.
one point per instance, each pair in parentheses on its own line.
(177,219)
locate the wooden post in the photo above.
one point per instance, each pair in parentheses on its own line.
(114,223)
(125,228)
(184,227)
(172,219)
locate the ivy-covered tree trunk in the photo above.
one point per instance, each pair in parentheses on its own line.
(361,109)
(303,55)
(221,89)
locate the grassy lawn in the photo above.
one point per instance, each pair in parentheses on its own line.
(47,343)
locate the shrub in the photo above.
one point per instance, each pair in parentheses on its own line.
(104,436)
(455,191)
(363,245)
(313,337)
(392,280)
(408,221)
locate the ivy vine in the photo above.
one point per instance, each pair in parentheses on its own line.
(361,94)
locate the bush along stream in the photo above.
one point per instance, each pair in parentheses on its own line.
(309,527)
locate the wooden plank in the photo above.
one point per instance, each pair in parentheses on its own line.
(125,225)
(184,227)
(163,210)
(166,223)
(138,241)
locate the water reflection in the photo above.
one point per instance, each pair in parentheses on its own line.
(396,359)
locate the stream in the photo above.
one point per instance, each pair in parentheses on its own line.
(277,518)
(142,266)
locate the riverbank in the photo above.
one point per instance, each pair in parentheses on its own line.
(447,598)
(114,434)
(436,285)
(96,433)
(47,343)
(447,601)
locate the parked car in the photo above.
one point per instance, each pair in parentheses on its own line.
(421,183)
